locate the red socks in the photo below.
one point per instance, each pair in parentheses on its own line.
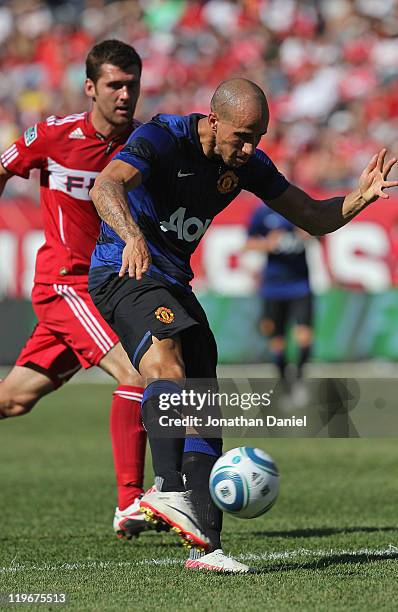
(128,443)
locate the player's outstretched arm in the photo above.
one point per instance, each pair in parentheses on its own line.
(109,197)
(264,244)
(320,217)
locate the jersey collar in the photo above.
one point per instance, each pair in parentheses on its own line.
(90,130)
(194,133)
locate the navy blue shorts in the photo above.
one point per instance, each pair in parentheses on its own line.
(137,310)
(295,311)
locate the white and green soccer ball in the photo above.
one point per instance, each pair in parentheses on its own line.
(244,482)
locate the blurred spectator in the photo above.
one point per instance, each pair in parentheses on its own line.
(329,68)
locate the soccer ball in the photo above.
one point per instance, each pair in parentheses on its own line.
(244,482)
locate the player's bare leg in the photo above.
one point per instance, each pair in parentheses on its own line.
(164,360)
(303,335)
(117,364)
(277,349)
(276,345)
(21,389)
(128,442)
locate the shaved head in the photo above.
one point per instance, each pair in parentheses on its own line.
(238,119)
(239,96)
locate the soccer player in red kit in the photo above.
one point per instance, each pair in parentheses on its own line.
(70,333)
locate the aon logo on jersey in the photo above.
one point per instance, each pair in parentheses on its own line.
(186,229)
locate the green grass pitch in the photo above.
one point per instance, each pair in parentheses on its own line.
(329,543)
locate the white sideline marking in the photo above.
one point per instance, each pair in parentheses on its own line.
(365,369)
(15,567)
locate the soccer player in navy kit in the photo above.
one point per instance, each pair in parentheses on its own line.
(284,287)
(157,198)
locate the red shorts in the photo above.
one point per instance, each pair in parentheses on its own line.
(70,333)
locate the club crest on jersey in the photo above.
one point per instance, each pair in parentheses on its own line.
(165,315)
(227,182)
(77,133)
(30,135)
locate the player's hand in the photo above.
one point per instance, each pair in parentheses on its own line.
(373,179)
(136,258)
(274,239)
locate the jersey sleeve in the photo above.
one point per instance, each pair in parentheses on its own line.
(145,148)
(28,152)
(263,178)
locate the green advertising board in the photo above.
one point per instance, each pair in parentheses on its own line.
(349,326)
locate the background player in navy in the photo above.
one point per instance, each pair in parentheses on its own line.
(284,286)
(157,198)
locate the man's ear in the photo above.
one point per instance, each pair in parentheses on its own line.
(213,120)
(89,89)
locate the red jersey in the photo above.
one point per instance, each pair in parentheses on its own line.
(70,154)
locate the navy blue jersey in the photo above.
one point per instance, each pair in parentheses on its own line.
(181,192)
(285,274)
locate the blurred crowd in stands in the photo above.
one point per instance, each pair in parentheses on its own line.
(329,68)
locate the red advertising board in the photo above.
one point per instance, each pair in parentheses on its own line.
(363,254)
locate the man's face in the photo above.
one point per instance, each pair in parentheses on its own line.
(237,137)
(115,94)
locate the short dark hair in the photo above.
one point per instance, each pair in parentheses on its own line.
(113,52)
